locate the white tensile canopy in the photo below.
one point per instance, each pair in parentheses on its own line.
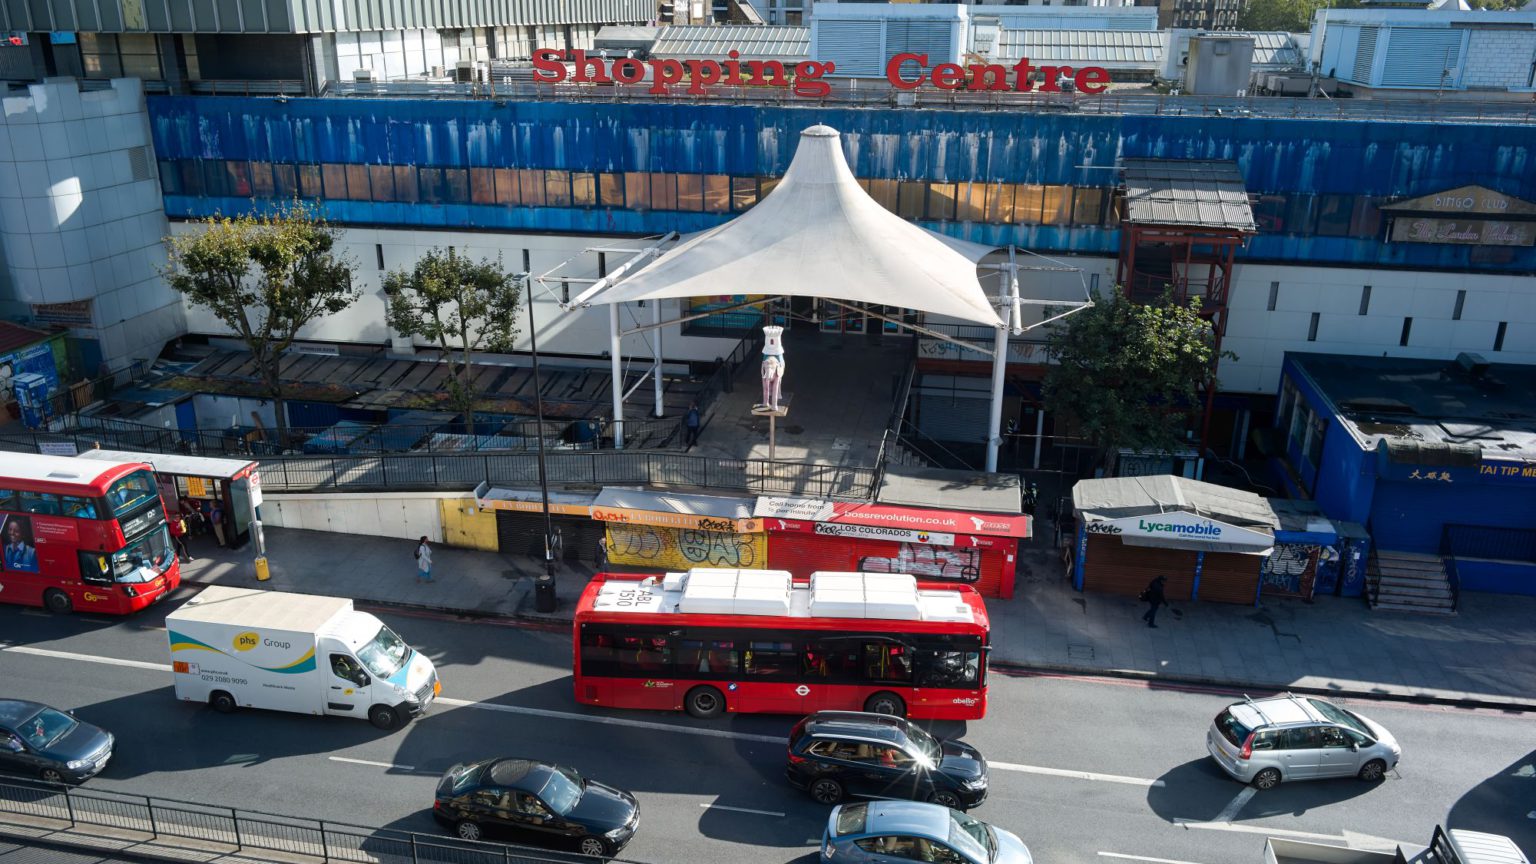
(818,234)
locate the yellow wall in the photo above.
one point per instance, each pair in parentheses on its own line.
(468,526)
(683,549)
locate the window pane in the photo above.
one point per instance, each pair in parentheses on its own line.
(382,179)
(1365,220)
(972,203)
(884,661)
(239,179)
(690,192)
(335,178)
(583,189)
(743,193)
(708,658)
(1028,201)
(1299,214)
(285,181)
(146,66)
(833,659)
(637,188)
(664,191)
(261,179)
(482,186)
(431,185)
(884,192)
(1058,205)
(1000,203)
(910,200)
(531,184)
(506,186)
(456,185)
(766,185)
(597,654)
(1269,214)
(215,179)
(772,658)
(357,183)
(610,190)
(945,668)
(1087,206)
(941,201)
(557,188)
(170,178)
(309,181)
(191,177)
(717,193)
(407,187)
(643,655)
(1333,215)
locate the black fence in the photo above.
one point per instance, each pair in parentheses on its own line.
(1497,544)
(222,829)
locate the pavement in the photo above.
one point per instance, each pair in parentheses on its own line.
(1484,656)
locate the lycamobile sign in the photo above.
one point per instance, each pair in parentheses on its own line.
(1208,529)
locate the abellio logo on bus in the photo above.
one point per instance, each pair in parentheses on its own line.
(905,71)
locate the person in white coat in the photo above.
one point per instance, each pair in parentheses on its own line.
(424,562)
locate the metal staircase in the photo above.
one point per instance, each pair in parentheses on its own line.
(1409,582)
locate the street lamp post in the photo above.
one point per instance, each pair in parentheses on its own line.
(543,586)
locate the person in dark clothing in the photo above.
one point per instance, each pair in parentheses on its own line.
(1153,596)
(691,425)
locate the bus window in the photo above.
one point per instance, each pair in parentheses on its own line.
(144,559)
(9,500)
(698,657)
(95,568)
(128,493)
(772,658)
(42,503)
(884,661)
(835,659)
(643,655)
(80,508)
(946,668)
(597,656)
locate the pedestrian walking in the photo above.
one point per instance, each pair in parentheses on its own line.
(424,561)
(216,521)
(691,426)
(178,528)
(1153,596)
(602,553)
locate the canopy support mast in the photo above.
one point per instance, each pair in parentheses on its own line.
(614,341)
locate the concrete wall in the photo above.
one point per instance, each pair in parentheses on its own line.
(449,518)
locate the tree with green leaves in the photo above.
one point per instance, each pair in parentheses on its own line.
(1292,16)
(463,307)
(266,278)
(1131,372)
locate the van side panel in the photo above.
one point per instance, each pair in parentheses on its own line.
(261,668)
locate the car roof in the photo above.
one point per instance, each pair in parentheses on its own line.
(524,775)
(1275,711)
(878,726)
(13,711)
(909,818)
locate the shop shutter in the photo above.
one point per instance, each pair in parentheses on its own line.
(1115,568)
(1228,577)
(580,537)
(520,533)
(1289,571)
(804,554)
(977,567)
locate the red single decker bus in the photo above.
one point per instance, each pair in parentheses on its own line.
(82,534)
(711,641)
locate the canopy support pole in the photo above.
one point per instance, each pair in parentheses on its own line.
(1039,434)
(1012,317)
(656,353)
(614,341)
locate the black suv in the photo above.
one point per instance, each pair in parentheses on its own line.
(838,753)
(536,803)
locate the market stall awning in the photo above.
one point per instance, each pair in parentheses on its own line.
(488,497)
(819,234)
(879,522)
(671,510)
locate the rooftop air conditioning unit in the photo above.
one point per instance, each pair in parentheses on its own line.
(464,72)
(362,76)
(439,71)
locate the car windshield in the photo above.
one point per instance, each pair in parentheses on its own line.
(971,837)
(926,743)
(850,819)
(46,727)
(385,653)
(144,559)
(562,790)
(1335,714)
(129,493)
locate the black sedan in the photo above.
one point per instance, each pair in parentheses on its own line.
(536,803)
(45,742)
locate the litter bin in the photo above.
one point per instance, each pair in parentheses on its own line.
(544,593)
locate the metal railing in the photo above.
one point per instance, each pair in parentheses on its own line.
(1483,542)
(226,829)
(1111,102)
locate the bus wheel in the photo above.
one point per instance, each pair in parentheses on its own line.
(384,717)
(886,702)
(57,602)
(222,702)
(704,702)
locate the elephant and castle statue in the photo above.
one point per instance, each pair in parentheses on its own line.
(773,369)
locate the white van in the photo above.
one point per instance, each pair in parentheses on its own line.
(239,647)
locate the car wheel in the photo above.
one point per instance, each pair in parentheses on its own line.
(57,602)
(52,775)
(467,830)
(1269,778)
(384,717)
(946,798)
(223,702)
(594,846)
(887,703)
(1373,771)
(704,702)
(827,791)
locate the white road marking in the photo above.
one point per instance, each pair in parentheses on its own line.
(374,764)
(742,810)
(1350,840)
(89,658)
(36,613)
(1076,775)
(1236,805)
(1142,858)
(612,721)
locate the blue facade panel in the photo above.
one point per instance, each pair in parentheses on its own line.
(1411,516)
(1276,156)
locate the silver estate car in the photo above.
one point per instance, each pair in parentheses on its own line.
(900,832)
(1282,738)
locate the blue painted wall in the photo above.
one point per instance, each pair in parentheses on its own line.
(1286,157)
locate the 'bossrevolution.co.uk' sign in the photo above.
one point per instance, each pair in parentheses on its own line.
(805,77)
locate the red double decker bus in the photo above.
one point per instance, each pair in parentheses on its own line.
(716,641)
(81,534)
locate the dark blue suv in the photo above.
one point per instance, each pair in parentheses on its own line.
(835,754)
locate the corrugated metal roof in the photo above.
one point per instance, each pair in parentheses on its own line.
(1113,49)
(1272,47)
(767,42)
(1209,194)
(1117,497)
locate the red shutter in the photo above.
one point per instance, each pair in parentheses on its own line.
(803,554)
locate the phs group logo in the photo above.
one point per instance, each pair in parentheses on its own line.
(247,640)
